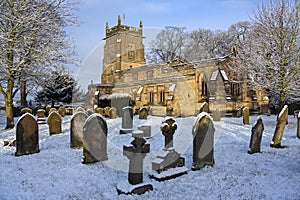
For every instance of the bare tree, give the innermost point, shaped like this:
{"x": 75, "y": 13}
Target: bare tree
{"x": 168, "y": 45}
{"x": 33, "y": 43}
{"x": 272, "y": 52}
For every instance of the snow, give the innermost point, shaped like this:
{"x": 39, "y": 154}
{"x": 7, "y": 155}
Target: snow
{"x": 57, "y": 172}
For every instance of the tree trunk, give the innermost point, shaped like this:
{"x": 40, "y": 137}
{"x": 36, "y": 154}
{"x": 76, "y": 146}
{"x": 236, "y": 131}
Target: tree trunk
{"x": 281, "y": 100}
{"x": 9, "y": 113}
{"x": 23, "y": 93}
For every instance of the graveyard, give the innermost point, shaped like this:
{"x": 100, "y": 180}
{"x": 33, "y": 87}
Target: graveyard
{"x": 57, "y": 169}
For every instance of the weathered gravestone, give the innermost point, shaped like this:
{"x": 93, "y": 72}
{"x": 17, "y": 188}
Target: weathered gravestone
{"x": 256, "y": 136}
{"x": 298, "y": 126}
{"x": 41, "y": 116}
{"x": 203, "y": 142}
{"x": 100, "y": 111}
{"x": 216, "y": 114}
{"x": 143, "y": 113}
{"x": 94, "y": 139}
{"x": 146, "y": 130}
{"x": 282, "y": 120}
{"x": 246, "y": 113}
{"x": 112, "y": 113}
{"x": 89, "y": 112}
{"x": 54, "y": 122}
{"x": 204, "y": 107}
{"x": 168, "y": 159}
{"x": 80, "y": 109}
{"x": 62, "y": 111}
{"x": 27, "y": 135}
{"x": 127, "y": 120}
{"x": 25, "y": 110}
{"x": 48, "y": 110}
{"x": 77, "y": 123}
{"x": 106, "y": 111}
{"x": 52, "y": 110}
{"x": 135, "y": 152}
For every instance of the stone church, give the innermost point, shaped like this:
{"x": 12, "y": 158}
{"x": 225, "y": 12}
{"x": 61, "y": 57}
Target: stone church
{"x": 175, "y": 88}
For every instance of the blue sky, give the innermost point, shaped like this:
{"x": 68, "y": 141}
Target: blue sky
{"x": 155, "y": 14}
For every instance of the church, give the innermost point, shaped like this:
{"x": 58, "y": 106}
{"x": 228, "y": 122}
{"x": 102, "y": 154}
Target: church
{"x": 175, "y": 88}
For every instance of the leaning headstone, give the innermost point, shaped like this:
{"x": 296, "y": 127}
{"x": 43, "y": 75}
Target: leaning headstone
{"x": 27, "y": 135}
{"x": 41, "y": 117}
{"x": 112, "y": 113}
{"x": 204, "y": 107}
{"x": 54, "y": 122}
{"x": 94, "y": 139}
{"x": 143, "y": 113}
{"x": 76, "y": 129}
{"x": 203, "y": 142}
{"x": 246, "y": 114}
{"x": 168, "y": 163}
{"x": 280, "y": 126}
{"x": 62, "y": 111}
{"x": 298, "y": 126}
{"x": 216, "y": 114}
{"x": 127, "y": 120}
{"x": 136, "y": 153}
{"x": 25, "y": 110}
{"x": 256, "y": 136}
{"x": 146, "y": 130}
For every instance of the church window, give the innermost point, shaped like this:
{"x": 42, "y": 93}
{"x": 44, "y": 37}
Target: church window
{"x": 151, "y": 97}
{"x": 131, "y": 55}
{"x": 149, "y": 74}
{"x": 162, "y": 97}
{"x": 135, "y": 76}
{"x": 235, "y": 89}
{"x": 204, "y": 88}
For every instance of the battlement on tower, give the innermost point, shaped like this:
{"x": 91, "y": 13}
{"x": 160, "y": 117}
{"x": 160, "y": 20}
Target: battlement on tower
{"x": 119, "y": 28}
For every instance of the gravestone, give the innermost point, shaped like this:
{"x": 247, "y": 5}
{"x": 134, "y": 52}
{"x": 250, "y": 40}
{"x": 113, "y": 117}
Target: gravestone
{"x": 27, "y": 135}
{"x": 256, "y": 136}
{"x": 203, "y": 142}
{"x": 298, "y": 126}
{"x": 168, "y": 159}
{"x": 216, "y": 114}
{"x": 99, "y": 111}
{"x": 80, "y": 109}
{"x": 106, "y": 111}
{"x": 94, "y": 139}
{"x": 136, "y": 153}
{"x": 127, "y": 120}
{"x": 89, "y": 112}
{"x": 113, "y": 113}
{"x": 41, "y": 117}
{"x": 146, "y": 130}
{"x": 76, "y": 129}
{"x": 282, "y": 120}
{"x": 25, "y": 110}
{"x": 246, "y": 113}
{"x": 52, "y": 110}
{"x": 62, "y": 111}
{"x": 204, "y": 107}
{"x": 48, "y": 110}
{"x": 54, "y": 122}
{"x": 143, "y": 113}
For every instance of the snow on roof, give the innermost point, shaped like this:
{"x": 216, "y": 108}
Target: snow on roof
{"x": 140, "y": 90}
{"x": 214, "y": 75}
{"x": 115, "y": 96}
{"x": 172, "y": 88}
{"x": 225, "y": 78}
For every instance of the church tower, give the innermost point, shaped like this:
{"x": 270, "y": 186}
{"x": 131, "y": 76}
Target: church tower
{"x": 123, "y": 49}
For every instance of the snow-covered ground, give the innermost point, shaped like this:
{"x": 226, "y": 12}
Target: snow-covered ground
{"x": 57, "y": 172}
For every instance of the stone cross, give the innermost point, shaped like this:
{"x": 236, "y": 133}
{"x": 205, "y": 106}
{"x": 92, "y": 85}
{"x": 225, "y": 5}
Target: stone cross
{"x": 136, "y": 152}
{"x": 27, "y": 135}
{"x": 298, "y": 126}
{"x": 76, "y": 128}
{"x": 280, "y": 126}
{"x": 246, "y": 114}
{"x": 168, "y": 129}
{"x": 203, "y": 142}
{"x": 256, "y": 136}
{"x": 94, "y": 139}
